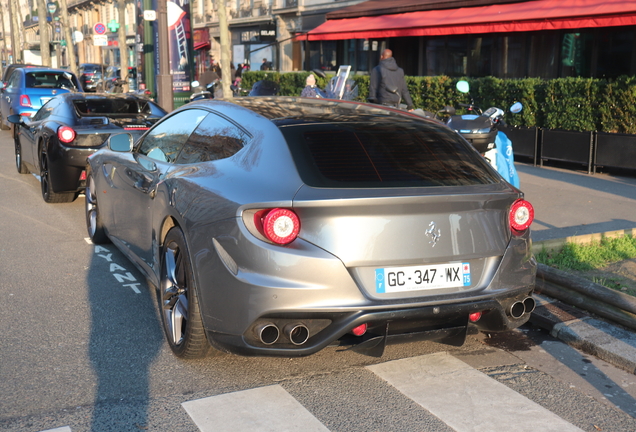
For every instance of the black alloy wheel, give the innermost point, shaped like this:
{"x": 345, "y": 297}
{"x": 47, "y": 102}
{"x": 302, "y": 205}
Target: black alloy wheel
{"x": 178, "y": 300}
{"x": 22, "y": 169}
{"x": 96, "y": 230}
{"x": 48, "y": 194}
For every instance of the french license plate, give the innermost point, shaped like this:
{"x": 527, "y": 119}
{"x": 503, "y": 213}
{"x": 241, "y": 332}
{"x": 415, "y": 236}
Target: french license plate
{"x": 413, "y": 278}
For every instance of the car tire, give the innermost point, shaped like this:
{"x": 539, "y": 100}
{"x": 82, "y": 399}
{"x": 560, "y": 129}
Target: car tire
{"x": 45, "y": 182}
{"x": 19, "y": 164}
{"x": 2, "y": 125}
{"x": 178, "y": 300}
{"x": 96, "y": 230}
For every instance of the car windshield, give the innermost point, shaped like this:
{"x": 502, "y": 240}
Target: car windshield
{"x": 383, "y": 154}
{"x": 100, "y": 107}
{"x": 50, "y": 80}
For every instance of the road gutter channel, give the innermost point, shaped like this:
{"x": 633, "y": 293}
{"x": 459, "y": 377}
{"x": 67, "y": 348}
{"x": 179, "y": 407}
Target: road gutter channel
{"x": 597, "y": 337}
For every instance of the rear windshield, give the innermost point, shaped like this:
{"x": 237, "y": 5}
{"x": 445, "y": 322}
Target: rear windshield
{"x": 384, "y": 154}
{"x": 50, "y": 80}
{"x": 99, "y": 107}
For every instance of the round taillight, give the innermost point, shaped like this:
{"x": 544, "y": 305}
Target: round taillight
{"x": 65, "y": 134}
{"x": 521, "y": 215}
{"x": 281, "y": 226}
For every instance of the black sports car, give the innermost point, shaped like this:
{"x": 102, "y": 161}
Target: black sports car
{"x": 56, "y": 141}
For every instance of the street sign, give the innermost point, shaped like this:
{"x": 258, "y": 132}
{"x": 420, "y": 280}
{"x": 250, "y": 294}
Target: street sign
{"x": 150, "y": 15}
{"x": 100, "y": 40}
{"x": 52, "y": 7}
{"x": 113, "y": 25}
{"x": 99, "y": 28}
{"x": 77, "y": 36}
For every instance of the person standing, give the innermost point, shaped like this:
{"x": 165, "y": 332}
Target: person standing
{"x": 388, "y": 86}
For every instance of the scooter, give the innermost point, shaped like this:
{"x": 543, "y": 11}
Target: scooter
{"x": 481, "y": 129}
{"x": 199, "y": 92}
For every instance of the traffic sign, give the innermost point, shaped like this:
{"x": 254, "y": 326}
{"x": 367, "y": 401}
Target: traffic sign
{"x": 99, "y": 28}
{"x": 100, "y": 40}
{"x": 150, "y": 15}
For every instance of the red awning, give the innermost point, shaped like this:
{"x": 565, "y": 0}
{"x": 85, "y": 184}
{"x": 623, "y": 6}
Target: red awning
{"x": 516, "y": 17}
{"x": 201, "y": 39}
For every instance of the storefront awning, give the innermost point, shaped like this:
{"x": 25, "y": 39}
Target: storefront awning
{"x": 201, "y": 39}
{"x": 500, "y": 18}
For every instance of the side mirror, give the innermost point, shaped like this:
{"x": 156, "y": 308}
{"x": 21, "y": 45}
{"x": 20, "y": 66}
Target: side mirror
{"x": 448, "y": 110}
{"x": 516, "y": 107}
{"x": 121, "y": 142}
{"x": 15, "y": 119}
{"x": 463, "y": 86}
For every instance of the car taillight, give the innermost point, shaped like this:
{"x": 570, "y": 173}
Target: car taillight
{"x": 65, "y": 134}
{"x": 278, "y": 225}
{"x": 521, "y": 215}
{"x": 25, "y": 101}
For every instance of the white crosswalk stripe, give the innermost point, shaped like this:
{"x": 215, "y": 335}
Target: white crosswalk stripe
{"x": 264, "y": 409}
{"x": 462, "y": 397}
{"x": 442, "y": 384}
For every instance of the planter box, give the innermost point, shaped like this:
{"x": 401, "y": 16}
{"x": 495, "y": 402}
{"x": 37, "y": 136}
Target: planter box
{"x": 615, "y": 150}
{"x": 567, "y": 146}
{"x": 524, "y": 141}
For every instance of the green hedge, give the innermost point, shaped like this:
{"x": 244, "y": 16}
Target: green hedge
{"x": 577, "y": 104}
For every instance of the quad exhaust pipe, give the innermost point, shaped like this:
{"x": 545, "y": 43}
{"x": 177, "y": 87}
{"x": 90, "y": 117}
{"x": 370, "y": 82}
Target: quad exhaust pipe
{"x": 520, "y": 308}
{"x": 297, "y": 333}
{"x": 269, "y": 333}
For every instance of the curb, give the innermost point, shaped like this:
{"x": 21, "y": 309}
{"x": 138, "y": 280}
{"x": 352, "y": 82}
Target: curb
{"x": 574, "y": 326}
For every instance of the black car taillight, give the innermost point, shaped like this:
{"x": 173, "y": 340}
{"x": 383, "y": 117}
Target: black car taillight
{"x": 65, "y": 134}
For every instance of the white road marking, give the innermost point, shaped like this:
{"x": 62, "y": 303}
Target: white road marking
{"x": 466, "y": 399}
{"x": 60, "y": 429}
{"x": 88, "y": 240}
{"x": 261, "y": 409}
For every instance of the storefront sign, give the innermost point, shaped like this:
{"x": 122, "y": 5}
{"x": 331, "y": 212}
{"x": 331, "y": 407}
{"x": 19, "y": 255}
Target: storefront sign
{"x": 268, "y": 33}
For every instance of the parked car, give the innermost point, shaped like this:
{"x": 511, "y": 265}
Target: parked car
{"x": 7, "y": 71}
{"x": 29, "y": 88}
{"x": 278, "y": 226}
{"x": 67, "y": 129}
{"x": 90, "y": 74}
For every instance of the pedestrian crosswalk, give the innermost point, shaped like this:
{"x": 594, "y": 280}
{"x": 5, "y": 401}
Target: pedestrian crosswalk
{"x": 456, "y": 394}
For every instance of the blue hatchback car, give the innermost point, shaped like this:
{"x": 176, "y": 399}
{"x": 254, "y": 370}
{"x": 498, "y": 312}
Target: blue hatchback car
{"x": 27, "y": 89}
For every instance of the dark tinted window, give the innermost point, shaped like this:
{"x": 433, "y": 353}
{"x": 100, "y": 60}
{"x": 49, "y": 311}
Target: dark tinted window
{"x": 46, "y": 109}
{"x": 167, "y": 138}
{"x": 214, "y": 138}
{"x": 49, "y": 80}
{"x": 109, "y": 106}
{"x": 384, "y": 154}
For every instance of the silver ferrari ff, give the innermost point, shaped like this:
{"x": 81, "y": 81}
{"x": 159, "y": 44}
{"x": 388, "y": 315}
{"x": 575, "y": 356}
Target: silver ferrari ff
{"x": 278, "y": 226}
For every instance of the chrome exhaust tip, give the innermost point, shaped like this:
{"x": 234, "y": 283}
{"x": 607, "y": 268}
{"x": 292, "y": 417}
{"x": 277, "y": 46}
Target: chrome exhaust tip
{"x": 529, "y": 304}
{"x": 267, "y": 333}
{"x": 517, "y": 310}
{"x": 297, "y": 333}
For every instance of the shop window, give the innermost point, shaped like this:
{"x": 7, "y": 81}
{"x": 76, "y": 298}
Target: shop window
{"x": 322, "y": 55}
{"x": 576, "y": 54}
{"x": 615, "y": 52}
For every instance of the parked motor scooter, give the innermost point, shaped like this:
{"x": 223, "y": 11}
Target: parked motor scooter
{"x": 481, "y": 129}
{"x": 199, "y": 92}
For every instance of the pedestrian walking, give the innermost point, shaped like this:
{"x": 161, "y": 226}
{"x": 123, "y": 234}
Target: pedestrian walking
{"x": 388, "y": 86}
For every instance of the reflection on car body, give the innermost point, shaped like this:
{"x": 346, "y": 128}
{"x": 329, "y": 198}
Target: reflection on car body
{"x": 278, "y": 226}
{"x": 70, "y": 127}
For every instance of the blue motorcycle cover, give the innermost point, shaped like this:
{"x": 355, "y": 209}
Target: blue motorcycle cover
{"x": 505, "y": 159}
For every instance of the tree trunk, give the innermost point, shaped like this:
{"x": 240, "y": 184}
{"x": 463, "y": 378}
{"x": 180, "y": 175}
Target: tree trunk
{"x": 70, "y": 47}
{"x": 123, "y": 48}
{"x": 225, "y": 51}
{"x": 45, "y": 51}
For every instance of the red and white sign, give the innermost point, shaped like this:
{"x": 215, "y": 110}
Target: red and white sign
{"x": 99, "y": 28}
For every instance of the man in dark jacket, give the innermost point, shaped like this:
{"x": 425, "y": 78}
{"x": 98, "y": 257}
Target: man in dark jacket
{"x": 387, "y": 83}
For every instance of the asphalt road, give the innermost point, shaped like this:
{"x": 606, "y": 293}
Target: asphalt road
{"x": 81, "y": 349}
